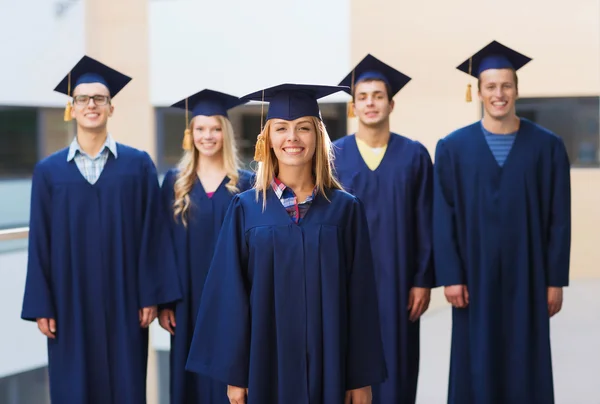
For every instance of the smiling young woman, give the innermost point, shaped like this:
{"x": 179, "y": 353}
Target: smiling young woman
{"x": 289, "y": 310}
{"x": 196, "y": 195}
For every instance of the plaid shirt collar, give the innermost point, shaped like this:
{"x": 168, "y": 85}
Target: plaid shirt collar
{"x": 109, "y": 144}
{"x": 284, "y": 192}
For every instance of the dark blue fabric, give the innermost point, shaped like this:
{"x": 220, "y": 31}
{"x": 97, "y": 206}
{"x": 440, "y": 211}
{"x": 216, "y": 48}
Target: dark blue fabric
{"x": 209, "y": 103}
{"x": 89, "y": 70}
{"x": 493, "y": 56}
{"x": 193, "y": 249}
{"x": 293, "y": 101}
{"x": 290, "y": 310}
{"x": 398, "y": 200}
{"x": 93, "y": 264}
{"x": 505, "y": 233}
{"x": 371, "y": 68}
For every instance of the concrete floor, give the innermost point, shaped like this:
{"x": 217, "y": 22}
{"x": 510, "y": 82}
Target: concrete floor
{"x": 575, "y": 333}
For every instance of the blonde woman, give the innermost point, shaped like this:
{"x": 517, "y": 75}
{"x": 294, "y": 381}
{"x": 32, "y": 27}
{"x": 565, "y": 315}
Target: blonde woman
{"x": 289, "y": 310}
{"x": 196, "y": 195}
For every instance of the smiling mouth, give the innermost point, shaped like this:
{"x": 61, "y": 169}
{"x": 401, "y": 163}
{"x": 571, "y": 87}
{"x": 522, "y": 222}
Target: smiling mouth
{"x": 499, "y": 103}
{"x": 208, "y": 144}
{"x": 92, "y": 115}
{"x": 293, "y": 150}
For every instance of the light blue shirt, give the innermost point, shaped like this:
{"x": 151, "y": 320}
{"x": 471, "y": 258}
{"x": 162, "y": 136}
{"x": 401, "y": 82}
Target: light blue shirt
{"x": 91, "y": 167}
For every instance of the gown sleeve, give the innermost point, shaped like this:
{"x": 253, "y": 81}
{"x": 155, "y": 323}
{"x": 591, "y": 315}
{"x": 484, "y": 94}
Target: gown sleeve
{"x": 559, "y": 237}
{"x": 220, "y": 346}
{"x": 365, "y": 359}
{"x": 38, "y": 301}
{"x": 424, "y": 276}
{"x": 448, "y": 265}
{"x": 158, "y": 282}
{"x": 168, "y": 256}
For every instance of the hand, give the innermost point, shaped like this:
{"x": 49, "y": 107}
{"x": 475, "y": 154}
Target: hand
{"x": 457, "y": 295}
{"x": 47, "y": 326}
{"x": 359, "y": 396}
{"x": 147, "y": 316}
{"x": 418, "y": 302}
{"x": 166, "y": 319}
{"x": 236, "y": 395}
{"x": 555, "y": 300}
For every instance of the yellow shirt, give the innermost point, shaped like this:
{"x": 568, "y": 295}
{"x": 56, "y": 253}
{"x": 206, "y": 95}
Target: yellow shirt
{"x": 371, "y": 155}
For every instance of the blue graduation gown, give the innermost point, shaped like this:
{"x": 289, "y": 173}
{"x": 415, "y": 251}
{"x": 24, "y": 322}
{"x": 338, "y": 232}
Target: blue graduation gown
{"x": 289, "y": 310}
{"x": 92, "y": 265}
{"x": 398, "y": 198}
{"x": 193, "y": 250}
{"x": 505, "y": 233}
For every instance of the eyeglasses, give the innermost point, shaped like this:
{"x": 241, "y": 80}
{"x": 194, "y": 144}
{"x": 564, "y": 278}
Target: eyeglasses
{"x": 99, "y": 100}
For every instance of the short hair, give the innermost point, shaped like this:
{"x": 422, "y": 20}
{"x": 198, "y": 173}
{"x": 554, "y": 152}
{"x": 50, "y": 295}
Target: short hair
{"x": 388, "y": 89}
{"x": 515, "y": 77}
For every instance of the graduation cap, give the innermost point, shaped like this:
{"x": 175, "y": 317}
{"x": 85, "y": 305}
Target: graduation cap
{"x": 89, "y": 70}
{"x": 371, "y": 68}
{"x": 289, "y": 102}
{"x": 208, "y": 103}
{"x": 493, "y": 56}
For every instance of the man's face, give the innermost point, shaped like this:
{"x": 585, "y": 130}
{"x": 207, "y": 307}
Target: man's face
{"x": 498, "y": 92}
{"x": 371, "y": 103}
{"x": 91, "y": 106}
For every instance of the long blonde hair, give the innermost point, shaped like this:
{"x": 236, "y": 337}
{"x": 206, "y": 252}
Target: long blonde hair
{"x": 188, "y": 165}
{"x": 322, "y": 161}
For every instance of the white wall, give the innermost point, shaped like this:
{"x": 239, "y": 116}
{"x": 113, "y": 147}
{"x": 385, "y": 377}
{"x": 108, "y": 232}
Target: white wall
{"x": 240, "y": 46}
{"x": 235, "y": 46}
{"x": 37, "y": 48}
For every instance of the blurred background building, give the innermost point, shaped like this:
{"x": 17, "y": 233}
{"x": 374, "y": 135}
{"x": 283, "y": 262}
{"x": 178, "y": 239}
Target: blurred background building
{"x": 173, "y": 48}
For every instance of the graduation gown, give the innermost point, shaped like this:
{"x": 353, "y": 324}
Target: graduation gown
{"x": 398, "y": 197}
{"x": 92, "y": 265}
{"x": 505, "y": 233}
{"x": 289, "y": 310}
{"x": 193, "y": 248}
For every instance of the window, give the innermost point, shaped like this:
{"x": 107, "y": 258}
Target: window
{"x": 170, "y": 126}
{"x": 55, "y": 133}
{"x": 575, "y": 119}
{"x": 18, "y": 141}
{"x": 335, "y": 119}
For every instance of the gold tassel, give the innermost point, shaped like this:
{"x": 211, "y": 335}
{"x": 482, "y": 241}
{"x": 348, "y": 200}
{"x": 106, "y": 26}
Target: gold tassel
{"x": 469, "y": 98}
{"x": 188, "y": 141}
{"x": 350, "y": 108}
{"x": 259, "y": 149}
{"x": 69, "y": 107}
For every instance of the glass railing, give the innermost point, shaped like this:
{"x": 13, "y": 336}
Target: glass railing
{"x": 14, "y": 202}
{"x": 13, "y": 239}
{"x": 23, "y": 371}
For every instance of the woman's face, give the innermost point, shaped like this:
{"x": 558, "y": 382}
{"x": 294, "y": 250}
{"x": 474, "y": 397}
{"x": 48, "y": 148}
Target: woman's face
{"x": 293, "y": 142}
{"x": 208, "y": 135}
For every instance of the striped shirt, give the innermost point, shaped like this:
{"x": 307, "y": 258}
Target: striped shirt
{"x": 91, "y": 167}
{"x": 286, "y": 195}
{"x": 500, "y": 145}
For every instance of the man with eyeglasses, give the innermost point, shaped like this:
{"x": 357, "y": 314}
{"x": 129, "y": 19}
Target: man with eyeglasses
{"x": 94, "y": 276}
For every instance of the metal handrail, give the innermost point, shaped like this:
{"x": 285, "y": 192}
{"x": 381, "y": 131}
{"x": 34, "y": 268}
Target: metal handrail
{"x": 16, "y": 233}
